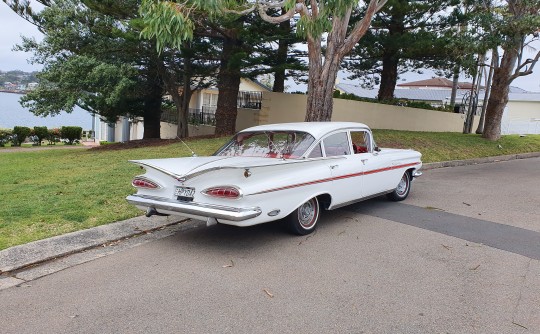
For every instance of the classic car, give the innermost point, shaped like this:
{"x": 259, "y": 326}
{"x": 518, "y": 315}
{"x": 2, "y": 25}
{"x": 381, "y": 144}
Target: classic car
{"x": 284, "y": 171}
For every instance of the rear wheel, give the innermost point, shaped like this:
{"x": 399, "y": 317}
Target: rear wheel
{"x": 304, "y": 219}
{"x": 403, "y": 188}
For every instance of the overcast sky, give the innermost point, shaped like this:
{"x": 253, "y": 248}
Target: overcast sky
{"x": 12, "y": 27}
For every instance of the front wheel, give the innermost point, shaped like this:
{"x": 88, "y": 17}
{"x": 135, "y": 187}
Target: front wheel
{"x": 304, "y": 219}
{"x": 403, "y": 188}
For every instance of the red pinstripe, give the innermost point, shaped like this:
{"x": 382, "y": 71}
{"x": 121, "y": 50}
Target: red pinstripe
{"x": 374, "y": 171}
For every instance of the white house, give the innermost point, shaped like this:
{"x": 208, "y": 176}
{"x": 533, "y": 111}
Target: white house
{"x": 202, "y": 109}
{"x": 521, "y": 116}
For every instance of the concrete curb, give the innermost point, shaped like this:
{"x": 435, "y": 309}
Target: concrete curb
{"x": 36, "y": 252}
{"x": 455, "y": 163}
{"x": 18, "y": 257}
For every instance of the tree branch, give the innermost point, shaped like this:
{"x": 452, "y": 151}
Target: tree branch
{"x": 531, "y": 61}
{"x": 362, "y": 26}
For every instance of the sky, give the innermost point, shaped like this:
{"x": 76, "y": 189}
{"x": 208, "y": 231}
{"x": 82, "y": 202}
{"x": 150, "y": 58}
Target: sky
{"x": 12, "y": 27}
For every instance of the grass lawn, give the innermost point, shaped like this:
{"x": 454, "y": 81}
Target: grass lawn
{"x": 50, "y": 192}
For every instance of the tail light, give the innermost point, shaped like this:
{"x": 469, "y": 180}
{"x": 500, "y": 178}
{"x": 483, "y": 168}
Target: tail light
{"x": 140, "y": 182}
{"x": 223, "y": 192}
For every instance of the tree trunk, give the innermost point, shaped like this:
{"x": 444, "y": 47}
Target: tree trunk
{"x": 228, "y": 86}
{"x": 499, "y": 95}
{"x": 480, "y": 128}
{"x": 183, "y": 105}
{"x": 281, "y": 56}
{"x": 389, "y": 76}
{"x": 320, "y": 101}
{"x": 152, "y": 110}
{"x": 455, "y": 82}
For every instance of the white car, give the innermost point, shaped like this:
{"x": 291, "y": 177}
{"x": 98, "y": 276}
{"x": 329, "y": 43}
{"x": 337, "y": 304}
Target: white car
{"x": 279, "y": 171}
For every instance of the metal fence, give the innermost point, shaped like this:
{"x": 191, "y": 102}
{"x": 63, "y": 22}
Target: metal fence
{"x": 207, "y": 115}
{"x": 198, "y": 116}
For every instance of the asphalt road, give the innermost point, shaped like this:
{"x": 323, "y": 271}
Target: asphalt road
{"x": 460, "y": 255}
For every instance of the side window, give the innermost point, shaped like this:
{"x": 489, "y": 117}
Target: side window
{"x": 336, "y": 144}
{"x": 316, "y": 152}
{"x": 360, "y": 140}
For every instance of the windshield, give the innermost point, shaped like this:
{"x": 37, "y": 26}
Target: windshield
{"x": 268, "y": 144}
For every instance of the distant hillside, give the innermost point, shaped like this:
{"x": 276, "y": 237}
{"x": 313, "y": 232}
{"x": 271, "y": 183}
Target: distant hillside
{"x": 17, "y": 77}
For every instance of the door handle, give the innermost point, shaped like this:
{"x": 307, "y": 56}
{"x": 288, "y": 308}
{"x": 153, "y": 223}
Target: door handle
{"x": 334, "y": 166}
{"x": 364, "y": 161}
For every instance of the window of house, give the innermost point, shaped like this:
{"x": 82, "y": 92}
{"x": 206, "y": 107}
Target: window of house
{"x": 210, "y": 100}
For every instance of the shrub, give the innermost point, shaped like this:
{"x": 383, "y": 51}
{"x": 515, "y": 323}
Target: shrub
{"x": 53, "y": 136}
{"x": 41, "y": 133}
{"x": 71, "y": 133}
{"x": 19, "y": 135}
{"x": 5, "y": 136}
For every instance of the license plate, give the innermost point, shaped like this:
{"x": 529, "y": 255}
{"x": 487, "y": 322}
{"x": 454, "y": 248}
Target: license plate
{"x": 184, "y": 192}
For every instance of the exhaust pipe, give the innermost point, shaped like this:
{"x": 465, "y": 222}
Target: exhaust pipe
{"x": 153, "y": 212}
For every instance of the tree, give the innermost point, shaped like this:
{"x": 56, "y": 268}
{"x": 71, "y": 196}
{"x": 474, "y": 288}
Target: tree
{"x": 93, "y": 58}
{"x": 405, "y": 36}
{"x": 170, "y": 23}
{"x": 517, "y": 24}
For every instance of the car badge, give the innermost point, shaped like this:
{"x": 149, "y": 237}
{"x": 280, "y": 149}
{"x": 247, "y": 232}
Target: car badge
{"x": 247, "y": 173}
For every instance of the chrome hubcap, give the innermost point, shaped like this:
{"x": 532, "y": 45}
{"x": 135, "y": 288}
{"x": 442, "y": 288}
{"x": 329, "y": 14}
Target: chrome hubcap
{"x": 402, "y": 186}
{"x": 307, "y": 214}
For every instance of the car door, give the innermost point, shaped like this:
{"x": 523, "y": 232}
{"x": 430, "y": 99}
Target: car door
{"x": 346, "y": 168}
{"x": 375, "y": 177}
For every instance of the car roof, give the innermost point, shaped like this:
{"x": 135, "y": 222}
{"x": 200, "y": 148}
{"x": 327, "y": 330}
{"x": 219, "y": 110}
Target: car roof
{"x": 316, "y": 129}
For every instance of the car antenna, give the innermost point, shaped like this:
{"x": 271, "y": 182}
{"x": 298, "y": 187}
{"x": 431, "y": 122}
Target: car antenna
{"x": 192, "y": 153}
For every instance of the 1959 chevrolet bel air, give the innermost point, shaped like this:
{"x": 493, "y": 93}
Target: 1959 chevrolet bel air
{"x": 279, "y": 171}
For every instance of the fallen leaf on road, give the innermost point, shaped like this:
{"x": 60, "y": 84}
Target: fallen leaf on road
{"x": 478, "y": 266}
{"x": 433, "y": 208}
{"x": 447, "y": 247}
{"x": 467, "y": 204}
{"x": 228, "y": 265}
{"x": 268, "y": 293}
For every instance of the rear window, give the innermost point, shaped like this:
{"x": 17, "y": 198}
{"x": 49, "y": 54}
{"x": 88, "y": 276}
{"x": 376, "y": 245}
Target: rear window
{"x": 269, "y": 144}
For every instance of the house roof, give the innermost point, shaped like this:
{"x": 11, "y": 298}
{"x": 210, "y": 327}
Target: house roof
{"x": 436, "y": 83}
{"x": 265, "y": 87}
{"x": 435, "y": 95}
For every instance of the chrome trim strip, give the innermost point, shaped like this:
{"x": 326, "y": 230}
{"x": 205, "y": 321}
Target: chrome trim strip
{"x": 164, "y": 171}
{"x": 196, "y": 209}
{"x": 332, "y": 207}
{"x": 417, "y": 173}
{"x": 290, "y": 161}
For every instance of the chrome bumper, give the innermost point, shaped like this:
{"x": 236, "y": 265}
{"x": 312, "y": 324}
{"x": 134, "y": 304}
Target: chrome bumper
{"x": 194, "y": 209}
{"x": 417, "y": 173}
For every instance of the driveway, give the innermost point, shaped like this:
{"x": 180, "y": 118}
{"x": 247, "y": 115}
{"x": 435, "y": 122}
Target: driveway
{"x": 460, "y": 255}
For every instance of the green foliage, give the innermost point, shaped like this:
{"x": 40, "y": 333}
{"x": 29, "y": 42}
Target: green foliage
{"x": 41, "y": 132}
{"x": 53, "y": 136}
{"x": 71, "y": 133}
{"x": 407, "y": 36}
{"x": 19, "y": 135}
{"x": 166, "y": 22}
{"x": 394, "y": 102}
{"x": 5, "y": 136}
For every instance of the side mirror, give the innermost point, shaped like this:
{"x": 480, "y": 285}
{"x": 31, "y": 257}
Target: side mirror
{"x": 377, "y": 149}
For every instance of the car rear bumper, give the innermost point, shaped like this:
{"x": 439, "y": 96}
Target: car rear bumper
{"x": 198, "y": 210}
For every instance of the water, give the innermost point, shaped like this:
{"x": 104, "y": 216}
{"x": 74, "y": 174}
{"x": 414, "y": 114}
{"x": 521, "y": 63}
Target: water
{"x": 13, "y": 114}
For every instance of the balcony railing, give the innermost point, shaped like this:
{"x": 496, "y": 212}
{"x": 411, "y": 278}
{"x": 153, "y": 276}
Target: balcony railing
{"x": 207, "y": 115}
{"x": 249, "y": 100}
